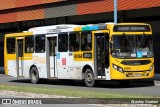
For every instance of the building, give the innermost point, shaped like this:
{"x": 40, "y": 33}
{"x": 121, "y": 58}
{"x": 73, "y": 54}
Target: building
{"x": 19, "y": 15}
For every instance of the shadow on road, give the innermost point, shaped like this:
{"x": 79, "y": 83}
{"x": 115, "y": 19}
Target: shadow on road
{"x": 1, "y": 70}
{"x": 99, "y": 84}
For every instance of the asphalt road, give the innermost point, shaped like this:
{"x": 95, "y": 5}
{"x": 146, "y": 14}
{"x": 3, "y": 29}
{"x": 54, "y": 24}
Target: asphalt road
{"x": 143, "y": 88}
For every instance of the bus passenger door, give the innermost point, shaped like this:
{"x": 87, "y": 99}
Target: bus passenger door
{"x": 52, "y": 56}
{"x": 19, "y": 57}
{"x": 101, "y": 54}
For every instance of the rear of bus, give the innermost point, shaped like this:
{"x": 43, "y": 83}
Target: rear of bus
{"x": 16, "y": 56}
{"x": 131, "y": 51}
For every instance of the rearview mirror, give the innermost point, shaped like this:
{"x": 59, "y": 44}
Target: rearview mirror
{"x": 111, "y": 46}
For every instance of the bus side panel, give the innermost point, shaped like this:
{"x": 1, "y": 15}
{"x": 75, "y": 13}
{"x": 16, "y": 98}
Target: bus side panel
{"x": 76, "y": 64}
{"x": 70, "y": 69}
{"x": 12, "y": 68}
{"x": 39, "y": 60}
{"x": 77, "y": 67}
{"x": 74, "y": 67}
{"x": 62, "y": 65}
{"x": 28, "y": 64}
{"x": 75, "y": 70}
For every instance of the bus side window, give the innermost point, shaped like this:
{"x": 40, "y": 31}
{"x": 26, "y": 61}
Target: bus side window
{"x": 86, "y": 41}
{"x": 29, "y": 44}
{"x": 74, "y": 40}
{"x": 63, "y": 42}
{"x": 40, "y": 43}
{"x": 10, "y": 45}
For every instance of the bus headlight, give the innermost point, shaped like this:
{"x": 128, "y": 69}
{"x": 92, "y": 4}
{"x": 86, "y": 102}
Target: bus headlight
{"x": 117, "y": 68}
{"x": 151, "y": 68}
{"x": 120, "y": 69}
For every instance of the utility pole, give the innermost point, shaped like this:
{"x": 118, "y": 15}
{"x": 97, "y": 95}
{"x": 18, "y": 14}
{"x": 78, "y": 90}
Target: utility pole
{"x": 115, "y": 11}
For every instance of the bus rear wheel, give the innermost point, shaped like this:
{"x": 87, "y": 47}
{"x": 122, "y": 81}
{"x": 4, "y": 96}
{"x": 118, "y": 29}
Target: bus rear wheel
{"x": 34, "y": 75}
{"x": 89, "y": 78}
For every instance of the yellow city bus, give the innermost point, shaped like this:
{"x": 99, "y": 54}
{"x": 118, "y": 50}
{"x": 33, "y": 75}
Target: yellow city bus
{"x": 106, "y": 51}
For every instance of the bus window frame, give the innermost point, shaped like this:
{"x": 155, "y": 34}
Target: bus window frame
{"x": 67, "y": 41}
{"x": 33, "y": 44}
{"x": 35, "y": 51}
{"x": 14, "y": 45}
{"x": 81, "y": 41}
{"x": 79, "y": 47}
{"x": 133, "y": 33}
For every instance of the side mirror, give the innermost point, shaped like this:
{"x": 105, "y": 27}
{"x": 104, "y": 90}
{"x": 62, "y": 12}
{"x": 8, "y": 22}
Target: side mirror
{"x": 111, "y": 47}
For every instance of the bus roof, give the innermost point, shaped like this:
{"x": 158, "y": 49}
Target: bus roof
{"x": 71, "y": 27}
{"x": 19, "y": 34}
{"x": 53, "y": 29}
{"x": 131, "y": 24}
{"x": 61, "y": 26}
{"x": 103, "y": 26}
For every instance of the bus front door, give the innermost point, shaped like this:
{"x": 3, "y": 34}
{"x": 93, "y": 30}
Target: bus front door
{"x": 52, "y": 56}
{"x": 101, "y": 54}
{"x": 19, "y": 58}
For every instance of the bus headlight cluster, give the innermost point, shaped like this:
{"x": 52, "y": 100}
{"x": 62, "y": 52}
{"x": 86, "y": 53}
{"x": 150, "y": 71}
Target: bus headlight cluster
{"x": 117, "y": 68}
{"x": 151, "y": 68}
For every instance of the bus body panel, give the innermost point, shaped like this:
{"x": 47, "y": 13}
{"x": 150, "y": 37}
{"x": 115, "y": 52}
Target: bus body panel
{"x": 70, "y": 69}
{"x": 39, "y": 60}
{"x": 12, "y": 68}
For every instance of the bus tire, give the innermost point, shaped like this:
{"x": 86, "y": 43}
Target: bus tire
{"x": 124, "y": 83}
{"x": 34, "y": 75}
{"x": 89, "y": 78}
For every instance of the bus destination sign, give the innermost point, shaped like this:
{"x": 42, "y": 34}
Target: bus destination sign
{"x": 131, "y": 28}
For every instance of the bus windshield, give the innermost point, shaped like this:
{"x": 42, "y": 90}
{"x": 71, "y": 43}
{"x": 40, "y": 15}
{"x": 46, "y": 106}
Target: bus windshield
{"x": 132, "y": 46}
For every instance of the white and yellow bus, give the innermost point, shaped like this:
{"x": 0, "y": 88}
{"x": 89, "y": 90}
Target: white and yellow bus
{"x": 106, "y": 51}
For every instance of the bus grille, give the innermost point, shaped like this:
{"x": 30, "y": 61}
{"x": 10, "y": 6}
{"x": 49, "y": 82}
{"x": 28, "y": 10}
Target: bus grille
{"x": 135, "y": 62}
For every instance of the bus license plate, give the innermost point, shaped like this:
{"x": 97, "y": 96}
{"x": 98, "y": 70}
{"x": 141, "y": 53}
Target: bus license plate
{"x": 137, "y": 74}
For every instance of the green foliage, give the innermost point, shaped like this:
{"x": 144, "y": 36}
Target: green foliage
{"x": 71, "y": 92}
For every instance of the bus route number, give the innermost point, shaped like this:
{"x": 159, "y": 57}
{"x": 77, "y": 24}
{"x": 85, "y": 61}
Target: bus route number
{"x": 77, "y": 55}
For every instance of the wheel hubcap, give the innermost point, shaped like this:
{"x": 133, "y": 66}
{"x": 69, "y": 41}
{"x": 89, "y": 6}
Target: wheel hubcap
{"x": 89, "y": 78}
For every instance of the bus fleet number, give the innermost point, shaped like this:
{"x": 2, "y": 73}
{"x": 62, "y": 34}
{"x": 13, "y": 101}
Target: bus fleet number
{"x": 77, "y": 55}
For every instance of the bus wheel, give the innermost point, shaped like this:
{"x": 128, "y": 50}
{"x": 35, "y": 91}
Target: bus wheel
{"x": 34, "y": 75}
{"x": 124, "y": 83}
{"x": 89, "y": 78}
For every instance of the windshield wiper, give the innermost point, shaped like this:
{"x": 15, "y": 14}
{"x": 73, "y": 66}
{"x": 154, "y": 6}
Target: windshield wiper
{"x": 128, "y": 40}
{"x": 139, "y": 43}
